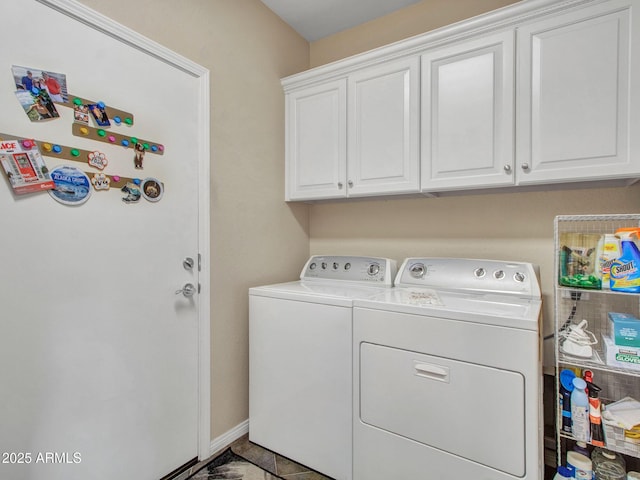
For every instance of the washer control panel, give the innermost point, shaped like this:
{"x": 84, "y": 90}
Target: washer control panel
{"x": 469, "y": 274}
{"x": 370, "y": 270}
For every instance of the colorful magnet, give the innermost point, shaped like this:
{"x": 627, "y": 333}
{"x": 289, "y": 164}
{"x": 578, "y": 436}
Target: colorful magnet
{"x": 75, "y": 152}
{"x": 132, "y": 191}
{"x": 72, "y": 186}
{"x": 117, "y": 119}
{"x": 128, "y": 121}
{"x": 84, "y": 130}
{"x": 111, "y": 138}
{"x": 98, "y": 160}
{"x": 139, "y": 156}
{"x": 152, "y": 189}
{"x": 125, "y": 142}
{"x": 101, "y": 181}
{"x": 116, "y": 178}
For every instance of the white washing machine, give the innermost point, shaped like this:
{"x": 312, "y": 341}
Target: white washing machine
{"x": 300, "y": 360}
{"x": 448, "y": 374}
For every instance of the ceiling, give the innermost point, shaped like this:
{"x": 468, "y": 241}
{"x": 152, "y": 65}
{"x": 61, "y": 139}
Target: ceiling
{"x": 316, "y": 19}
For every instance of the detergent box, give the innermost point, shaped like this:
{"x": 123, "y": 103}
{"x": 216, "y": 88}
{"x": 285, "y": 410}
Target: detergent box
{"x": 620, "y": 356}
{"x": 624, "y": 329}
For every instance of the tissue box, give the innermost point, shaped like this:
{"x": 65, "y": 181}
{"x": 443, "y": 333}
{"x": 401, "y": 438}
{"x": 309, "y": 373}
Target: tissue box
{"x": 621, "y": 356}
{"x": 624, "y": 329}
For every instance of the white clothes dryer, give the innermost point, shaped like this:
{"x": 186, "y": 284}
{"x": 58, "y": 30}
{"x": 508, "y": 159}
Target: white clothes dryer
{"x": 300, "y": 360}
{"x": 448, "y": 374}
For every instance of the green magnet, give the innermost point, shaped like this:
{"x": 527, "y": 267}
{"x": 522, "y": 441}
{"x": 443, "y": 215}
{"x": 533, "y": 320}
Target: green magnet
{"x": 77, "y": 101}
{"x": 75, "y": 152}
{"x": 128, "y": 121}
{"x": 101, "y": 133}
{"x": 134, "y": 140}
{"x": 146, "y": 146}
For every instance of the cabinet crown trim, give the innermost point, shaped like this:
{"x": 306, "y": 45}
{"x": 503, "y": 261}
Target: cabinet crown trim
{"x": 509, "y": 16}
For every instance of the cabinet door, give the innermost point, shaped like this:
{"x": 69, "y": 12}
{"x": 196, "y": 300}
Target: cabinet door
{"x": 574, "y": 96}
{"x": 467, "y": 114}
{"x": 316, "y": 141}
{"x": 383, "y": 129}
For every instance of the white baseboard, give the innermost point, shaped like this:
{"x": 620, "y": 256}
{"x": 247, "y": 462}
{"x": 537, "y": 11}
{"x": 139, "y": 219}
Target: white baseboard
{"x": 229, "y": 437}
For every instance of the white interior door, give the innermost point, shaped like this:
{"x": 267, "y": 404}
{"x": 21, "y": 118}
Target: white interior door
{"x": 100, "y": 356}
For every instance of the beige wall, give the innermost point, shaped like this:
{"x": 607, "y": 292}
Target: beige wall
{"x": 418, "y": 18}
{"x": 510, "y": 226}
{"x": 256, "y": 237}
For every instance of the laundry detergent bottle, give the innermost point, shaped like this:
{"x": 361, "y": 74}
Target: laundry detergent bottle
{"x": 625, "y": 271}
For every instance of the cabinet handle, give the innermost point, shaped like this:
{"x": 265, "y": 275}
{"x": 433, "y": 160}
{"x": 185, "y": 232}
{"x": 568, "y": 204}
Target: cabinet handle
{"x": 525, "y": 166}
{"x": 350, "y": 183}
{"x": 340, "y": 185}
{"x": 507, "y": 168}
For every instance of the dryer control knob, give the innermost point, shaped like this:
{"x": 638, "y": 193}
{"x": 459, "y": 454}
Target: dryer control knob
{"x": 519, "y": 277}
{"x": 418, "y": 270}
{"x": 373, "y": 269}
{"x": 479, "y": 272}
{"x": 498, "y": 274}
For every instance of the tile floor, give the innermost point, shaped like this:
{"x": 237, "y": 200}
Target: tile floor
{"x": 273, "y": 462}
{"x": 266, "y": 459}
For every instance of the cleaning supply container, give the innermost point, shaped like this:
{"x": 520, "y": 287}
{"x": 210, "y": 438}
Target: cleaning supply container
{"x": 580, "y": 411}
{"x": 608, "y": 250}
{"x": 580, "y": 464}
{"x": 608, "y": 465}
{"x": 625, "y": 270}
{"x": 566, "y": 387}
{"x": 563, "y": 473}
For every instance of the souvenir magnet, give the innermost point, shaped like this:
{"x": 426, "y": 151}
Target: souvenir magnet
{"x": 139, "y": 156}
{"x": 152, "y": 189}
{"x": 101, "y": 181}
{"x": 99, "y": 114}
{"x": 73, "y": 186}
{"x": 132, "y": 191}
{"x": 81, "y": 113}
{"x": 98, "y": 160}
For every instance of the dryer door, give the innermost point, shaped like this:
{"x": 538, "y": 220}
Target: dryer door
{"x": 426, "y": 399}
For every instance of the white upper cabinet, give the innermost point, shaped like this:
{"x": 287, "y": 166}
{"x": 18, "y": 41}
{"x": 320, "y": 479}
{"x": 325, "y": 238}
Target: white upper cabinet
{"x": 316, "y": 147}
{"x": 575, "y": 81}
{"x": 467, "y": 114}
{"x": 383, "y": 129}
{"x": 540, "y": 92}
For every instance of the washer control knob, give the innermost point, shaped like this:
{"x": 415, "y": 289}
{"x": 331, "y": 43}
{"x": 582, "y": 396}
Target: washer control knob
{"x": 479, "y": 272}
{"x": 336, "y": 265}
{"x": 418, "y": 270}
{"x": 519, "y": 277}
{"x": 373, "y": 269}
{"x": 347, "y": 266}
{"x": 324, "y": 265}
{"x": 498, "y": 274}
{"x": 312, "y": 266}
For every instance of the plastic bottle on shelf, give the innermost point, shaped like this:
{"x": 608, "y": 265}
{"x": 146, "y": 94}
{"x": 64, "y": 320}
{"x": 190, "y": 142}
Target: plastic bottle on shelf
{"x": 579, "y": 411}
{"x": 608, "y": 465}
{"x": 595, "y": 416}
{"x": 562, "y": 473}
{"x": 581, "y": 465}
{"x": 625, "y": 270}
{"x": 581, "y": 447}
{"x": 566, "y": 387}
{"x": 608, "y": 250}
